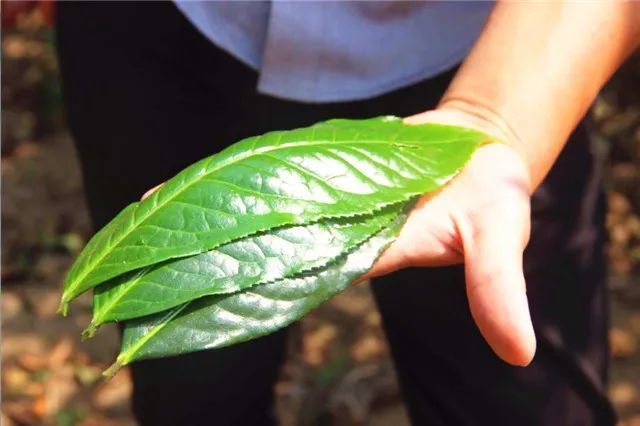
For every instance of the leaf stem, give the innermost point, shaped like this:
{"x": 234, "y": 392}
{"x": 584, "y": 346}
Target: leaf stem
{"x": 63, "y": 308}
{"x": 90, "y": 331}
{"x": 113, "y": 369}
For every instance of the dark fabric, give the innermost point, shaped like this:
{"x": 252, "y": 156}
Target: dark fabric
{"x": 147, "y": 95}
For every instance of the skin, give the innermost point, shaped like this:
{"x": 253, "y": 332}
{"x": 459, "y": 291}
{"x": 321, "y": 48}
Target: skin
{"x": 529, "y": 79}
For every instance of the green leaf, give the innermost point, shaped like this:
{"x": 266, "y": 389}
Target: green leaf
{"x": 218, "y": 321}
{"x": 283, "y": 252}
{"x": 338, "y": 168}
{"x": 100, "y": 239}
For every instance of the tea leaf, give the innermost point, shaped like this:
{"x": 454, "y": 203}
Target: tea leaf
{"x": 217, "y": 321}
{"x": 338, "y": 168}
{"x": 283, "y": 252}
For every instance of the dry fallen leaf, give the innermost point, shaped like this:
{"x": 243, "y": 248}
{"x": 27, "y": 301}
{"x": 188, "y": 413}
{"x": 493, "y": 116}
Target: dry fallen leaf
{"x": 622, "y": 343}
{"x": 15, "y": 380}
{"x": 631, "y": 421}
{"x": 33, "y": 362}
{"x": 618, "y": 204}
{"x": 373, "y": 319}
{"x": 42, "y": 301}
{"x": 15, "y": 344}
{"x": 60, "y": 387}
{"x": 12, "y": 305}
{"x": 60, "y": 353}
{"x": 20, "y": 413}
{"x": 367, "y": 348}
{"x": 5, "y": 421}
{"x": 623, "y": 393}
{"x": 316, "y": 343}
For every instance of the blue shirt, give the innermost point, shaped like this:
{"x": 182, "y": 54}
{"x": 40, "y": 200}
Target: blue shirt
{"x": 340, "y": 51}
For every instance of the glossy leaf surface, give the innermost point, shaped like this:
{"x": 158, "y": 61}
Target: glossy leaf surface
{"x": 338, "y": 168}
{"x": 282, "y": 252}
{"x": 217, "y": 321}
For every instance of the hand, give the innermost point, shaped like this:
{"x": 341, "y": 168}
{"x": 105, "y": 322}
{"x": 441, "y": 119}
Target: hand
{"x": 480, "y": 218}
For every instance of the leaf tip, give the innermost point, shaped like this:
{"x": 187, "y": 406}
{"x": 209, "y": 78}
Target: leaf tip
{"x": 63, "y": 309}
{"x": 90, "y": 331}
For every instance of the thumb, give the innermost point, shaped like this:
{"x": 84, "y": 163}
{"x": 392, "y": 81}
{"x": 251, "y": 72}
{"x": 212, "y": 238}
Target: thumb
{"x": 496, "y": 288}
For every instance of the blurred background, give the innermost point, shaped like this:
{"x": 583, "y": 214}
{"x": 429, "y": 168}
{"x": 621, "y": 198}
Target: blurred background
{"x": 338, "y": 371}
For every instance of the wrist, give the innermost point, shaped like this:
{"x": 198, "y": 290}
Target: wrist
{"x": 463, "y": 113}
{"x": 483, "y": 118}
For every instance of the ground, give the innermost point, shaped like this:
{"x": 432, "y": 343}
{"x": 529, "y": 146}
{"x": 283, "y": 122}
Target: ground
{"x": 338, "y": 370}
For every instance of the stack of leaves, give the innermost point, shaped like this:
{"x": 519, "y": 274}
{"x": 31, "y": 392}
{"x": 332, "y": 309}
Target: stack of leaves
{"x": 244, "y": 242}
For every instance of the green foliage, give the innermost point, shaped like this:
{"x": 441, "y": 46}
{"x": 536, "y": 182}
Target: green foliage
{"x": 249, "y": 240}
{"x": 218, "y": 321}
{"x": 337, "y": 168}
{"x": 232, "y": 267}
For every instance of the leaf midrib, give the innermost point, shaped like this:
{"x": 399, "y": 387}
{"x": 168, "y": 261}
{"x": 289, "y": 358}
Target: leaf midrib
{"x": 152, "y": 332}
{"x": 97, "y": 317}
{"x": 128, "y": 287}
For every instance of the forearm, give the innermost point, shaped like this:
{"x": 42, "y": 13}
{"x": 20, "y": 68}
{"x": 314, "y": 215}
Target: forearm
{"x": 537, "y": 67}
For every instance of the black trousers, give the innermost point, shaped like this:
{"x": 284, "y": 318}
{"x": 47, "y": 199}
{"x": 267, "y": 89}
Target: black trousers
{"x": 147, "y": 95}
